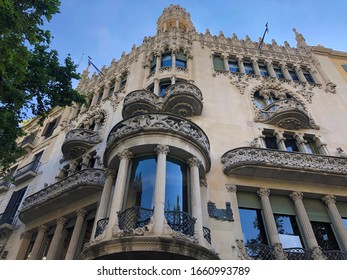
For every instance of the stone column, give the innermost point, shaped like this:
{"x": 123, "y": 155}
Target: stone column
{"x": 38, "y": 242}
{"x": 118, "y": 194}
{"x": 240, "y": 63}
{"x": 159, "y": 189}
{"x": 301, "y": 143}
{"x": 270, "y": 68}
{"x": 299, "y": 73}
{"x": 104, "y": 200}
{"x": 285, "y": 72}
{"x": 194, "y": 164}
{"x": 270, "y": 223}
{"x": 255, "y": 66}
{"x": 225, "y": 61}
{"x": 106, "y": 90}
{"x": 158, "y": 65}
{"x": 280, "y": 141}
{"x": 26, "y": 238}
{"x": 71, "y": 251}
{"x": 53, "y": 248}
{"x": 305, "y": 225}
{"x": 173, "y": 57}
{"x": 85, "y": 161}
{"x": 156, "y": 86}
{"x": 330, "y": 202}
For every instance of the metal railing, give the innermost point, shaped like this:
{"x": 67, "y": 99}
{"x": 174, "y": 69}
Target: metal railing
{"x": 135, "y": 217}
{"x": 260, "y": 252}
{"x": 101, "y": 226}
{"x": 180, "y": 221}
{"x": 335, "y": 255}
{"x": 297, "y": 254}
{"x": 32, "y": 166}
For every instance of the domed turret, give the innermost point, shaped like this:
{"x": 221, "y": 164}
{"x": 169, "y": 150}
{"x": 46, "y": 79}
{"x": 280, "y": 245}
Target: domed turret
{"x": 173, "y": 17}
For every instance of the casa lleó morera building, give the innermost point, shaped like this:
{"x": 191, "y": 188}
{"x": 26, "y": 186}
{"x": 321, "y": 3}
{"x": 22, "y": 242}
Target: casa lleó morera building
{"x": 193, "y": 146}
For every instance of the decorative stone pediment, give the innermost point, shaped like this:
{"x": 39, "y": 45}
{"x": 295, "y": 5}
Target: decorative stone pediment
{"x": 181, "y": 99}
{"x": 285, "y": 165}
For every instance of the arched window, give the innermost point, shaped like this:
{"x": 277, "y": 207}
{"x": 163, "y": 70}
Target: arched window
{"x": 181, "y": 60}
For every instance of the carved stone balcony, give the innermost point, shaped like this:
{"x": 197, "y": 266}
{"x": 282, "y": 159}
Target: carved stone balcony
{"x": 78, "y": 141}
{"x": 65, "y": 192}
{"x": 286, "y": 113}
{"x": 182, "y": 99}
{"x": 159, "y": 125}
{"x": 275, "y": 164}
{"x": 26, "y": 172}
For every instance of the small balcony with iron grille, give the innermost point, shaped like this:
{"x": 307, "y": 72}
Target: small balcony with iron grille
{"x": 78, "y": 141}
{"x": 7, "y": 225}
{"x": 26, "y": 172}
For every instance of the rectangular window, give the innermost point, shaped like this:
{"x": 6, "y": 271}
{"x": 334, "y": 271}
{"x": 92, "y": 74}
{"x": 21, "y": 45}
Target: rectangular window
{"x": 50, "y": 127}
{"x": 292, "y": 73}
{"x": 344, "y": 66}
{"x": 278, "y": 72}
{"x": 252, "y": 226}
{"x": 308, "y": 77}
{"x": 166, "y": 60}
{"x": 233, "y": 66}
{"x": 325, "y": 236}
{"x": 10, "y": 214}
{"x": 123, "y": 81}
{"x": 311, "y": 145}
{"x": 181, "y": 60}
{"x": 248, "y": 67}
{"x": 263, "y": 70}
{"x": 100, "y": 94}
{"x": 218, "y": 63}
{"x": 162, "y": 88}
{"x": 290, "y": 143}
{"x": 153, "y": 65}
{"x": 270, "y": 140}
{"x": 288, "y": 231}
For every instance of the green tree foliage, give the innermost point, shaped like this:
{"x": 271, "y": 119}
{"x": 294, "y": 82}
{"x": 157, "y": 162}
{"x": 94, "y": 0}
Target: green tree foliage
{"x": 32, "y": 80}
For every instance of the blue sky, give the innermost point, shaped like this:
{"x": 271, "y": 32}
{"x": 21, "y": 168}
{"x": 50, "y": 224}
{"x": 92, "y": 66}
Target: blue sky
{"x": 103, "y": 29}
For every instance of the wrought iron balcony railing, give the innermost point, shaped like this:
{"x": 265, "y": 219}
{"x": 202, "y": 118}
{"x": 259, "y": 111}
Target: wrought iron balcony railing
{"x": 101, "y": 226}
{"x": 135, "y": 217}
{"x": 297, "y": 254}
{"x": 180, "y": 221}
{"x": 26, "y": 172}
{"x": 335, "y": 255}
{"x": 260, "y": 252}
{"x": 278, "y": 164}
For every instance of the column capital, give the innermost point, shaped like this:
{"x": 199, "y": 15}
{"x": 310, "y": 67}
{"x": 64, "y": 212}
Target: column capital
{"x": 26, "y": 235}
{"x": 263, "y": 192}
{"x": 329, "y": 199}
{"x": 125, "y": 154}
{"x": 81, "y": 212}
{"x": 110, "y": 172}
{"x": 61, "y": 221}
{"x": 162, "y": 149}
{"x": 43, "y": 228}
{"x": 193, "y": 161}
{"x": 231, "y": 188}
{"x": 296, "y": 196}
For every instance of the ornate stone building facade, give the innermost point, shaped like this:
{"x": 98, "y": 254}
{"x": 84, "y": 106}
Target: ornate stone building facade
{"x": 193, "y": 146}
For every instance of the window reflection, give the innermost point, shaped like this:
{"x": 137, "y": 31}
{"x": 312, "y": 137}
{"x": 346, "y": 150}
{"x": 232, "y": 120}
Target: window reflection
{"x": 325, "y": 236}
{"x": 141, "y": 183}
{"x": 252, "y": 226}
{"x": 288, "y": 231}
{"x": 176, "y": 192}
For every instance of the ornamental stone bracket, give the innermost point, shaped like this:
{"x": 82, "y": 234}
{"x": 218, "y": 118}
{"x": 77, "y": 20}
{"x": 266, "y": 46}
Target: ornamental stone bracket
{"x": 78, "y": 141}
{"x": 283, "y": 165}
{"x": 182, "y": 99}
{"x": 65, "y": 192}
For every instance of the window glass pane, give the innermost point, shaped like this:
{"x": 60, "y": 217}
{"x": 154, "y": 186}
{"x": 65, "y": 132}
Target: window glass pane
{"x": 278, "y": 72}
{"x": 218, "y": 63}
{"x": 325, "y": 236}
{"x": 181, "y": 63}
{"x": 162, "y": 88}
{"x": 308, "y": 77}
{"x": 270, "y": 141}
{"x": 288, "y": 231}
{"x": 263, "y": 70}
{"x": 248, "y": 68}
{"x": 176, "y": 192}
{"x": 345, "y": 222}
{"x": 293, "y": 75}
{"x": 233, "y": 66}
{"x": 252, "y": 226}
{"x": 311, "y": 146}
{"x": 166, "y": 60}
{"x": 291, "y": 144}
{"x": 141, "y": 183}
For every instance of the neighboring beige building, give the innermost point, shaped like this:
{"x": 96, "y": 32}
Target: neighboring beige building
{"x": 194, "y": 146}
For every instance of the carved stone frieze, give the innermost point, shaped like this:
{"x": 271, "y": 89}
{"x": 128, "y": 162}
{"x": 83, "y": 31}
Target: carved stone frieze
{"x": 161, "y": 124}
{"x": 280, "y": 164}
{"x": 86, "y": 177}
{"x": 182, "y": 99}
